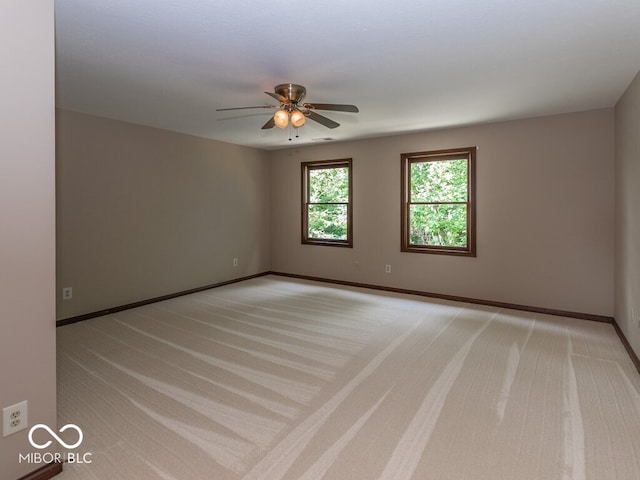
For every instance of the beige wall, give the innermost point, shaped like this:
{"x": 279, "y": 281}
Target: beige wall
{"x": 144, "y": 212}
{"x": 27, "y": 248}
{"x": 545, "y": 193}
{"x": 627, "y": 261}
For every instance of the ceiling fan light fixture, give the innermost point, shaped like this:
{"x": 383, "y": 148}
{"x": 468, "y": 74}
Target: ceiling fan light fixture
{"x": 297, "y": 118}
{"x": 293, "y": 113}
{"x": 281, "y": 118}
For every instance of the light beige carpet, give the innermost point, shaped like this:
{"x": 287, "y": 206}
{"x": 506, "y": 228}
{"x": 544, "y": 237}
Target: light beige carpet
{"x": 275, "y": 378}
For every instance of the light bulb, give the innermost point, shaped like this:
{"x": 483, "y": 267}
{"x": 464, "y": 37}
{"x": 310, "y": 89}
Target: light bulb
{"x": 281, "y": 118}
{"x": 297, "y": 118}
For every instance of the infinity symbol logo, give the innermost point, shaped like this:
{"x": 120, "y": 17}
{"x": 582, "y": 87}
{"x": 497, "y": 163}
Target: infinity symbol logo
{"x": 54, "y": 435}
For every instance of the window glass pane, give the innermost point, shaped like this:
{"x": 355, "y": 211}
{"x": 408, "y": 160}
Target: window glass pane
{"x": 440, "y": 225}
{"x": 328, "y": 222}
{"x": 439, "y": 181}
{"x": 329, "y": 185}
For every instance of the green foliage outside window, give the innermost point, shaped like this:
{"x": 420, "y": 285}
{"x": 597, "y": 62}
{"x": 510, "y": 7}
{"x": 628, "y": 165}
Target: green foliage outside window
{"x": 327, "y": 205}
{"x": 438, "y": 203}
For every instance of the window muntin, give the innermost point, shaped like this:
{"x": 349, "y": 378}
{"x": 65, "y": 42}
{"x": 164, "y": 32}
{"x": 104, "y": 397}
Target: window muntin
{"x": 326, "y": 203}
{"x": 438, "y": 202}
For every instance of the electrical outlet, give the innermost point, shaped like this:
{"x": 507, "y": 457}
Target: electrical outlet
{"x": 67, "y": 293}
{"x": 14, "y": 418}
{"x": 387, "y": 269}
{"x": 235, "y": 262}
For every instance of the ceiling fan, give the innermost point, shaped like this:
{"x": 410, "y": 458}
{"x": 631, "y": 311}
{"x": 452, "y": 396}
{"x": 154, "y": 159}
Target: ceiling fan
{"x": 292, "y": 111}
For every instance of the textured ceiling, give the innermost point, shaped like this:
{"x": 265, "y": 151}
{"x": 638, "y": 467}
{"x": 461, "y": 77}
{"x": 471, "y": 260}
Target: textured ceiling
{"x": 409, "y": 65}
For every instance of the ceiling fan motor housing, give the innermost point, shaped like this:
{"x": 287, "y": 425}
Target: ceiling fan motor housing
{"x": 292, "y": 92}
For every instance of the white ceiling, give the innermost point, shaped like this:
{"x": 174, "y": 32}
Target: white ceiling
{"x": 409, "y": 65}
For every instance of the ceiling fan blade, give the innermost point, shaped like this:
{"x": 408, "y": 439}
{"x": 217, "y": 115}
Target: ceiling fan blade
{"x": 332, "y": 106}
{"x": 270, "y": 124}
{"x": 327, "y": 122}
{"x": 243, "y": 108}
{"x": 279, "y": 98}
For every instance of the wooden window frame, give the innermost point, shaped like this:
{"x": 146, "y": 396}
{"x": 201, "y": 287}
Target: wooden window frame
{"x": 439, "y": 155}
{"x": 306, "y": 168}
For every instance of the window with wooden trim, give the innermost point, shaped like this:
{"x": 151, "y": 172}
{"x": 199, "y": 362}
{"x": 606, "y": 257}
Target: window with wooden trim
{"x": 326, "y": 203}
{"x": 438, "y": 202}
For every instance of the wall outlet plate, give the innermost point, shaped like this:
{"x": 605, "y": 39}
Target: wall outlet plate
{"x": 14, "y": 418}
{"x": 67, "y": 293}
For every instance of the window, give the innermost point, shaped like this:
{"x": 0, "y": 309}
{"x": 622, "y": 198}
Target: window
{"x": 438, "y": 202}
{"x": 326, "y": 203}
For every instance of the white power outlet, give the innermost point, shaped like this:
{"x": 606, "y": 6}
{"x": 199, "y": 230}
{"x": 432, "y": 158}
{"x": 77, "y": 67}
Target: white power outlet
{"x": 14, "y": 418}
{"x": 387, "y": 269}
{"x": 67, "y": 293}
{"x": 235, "y": 262}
